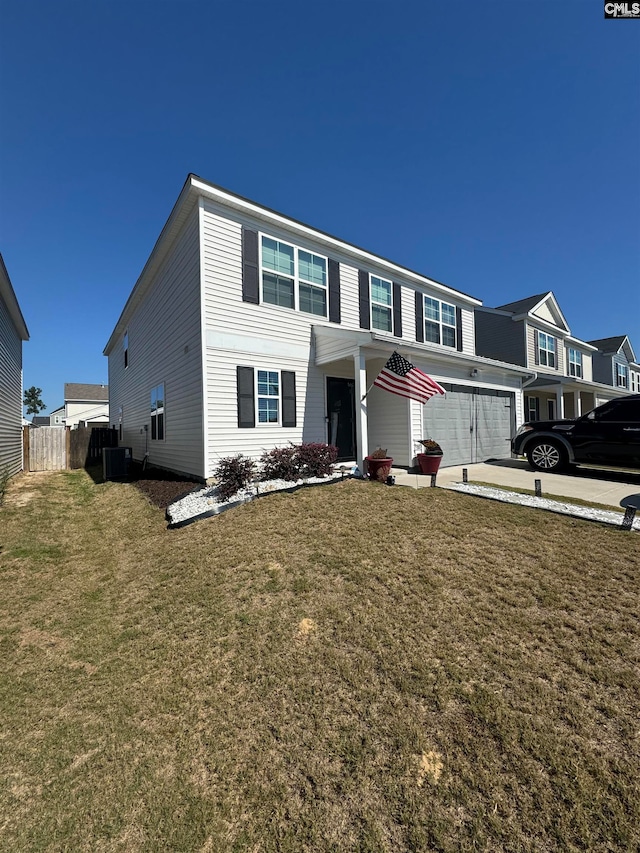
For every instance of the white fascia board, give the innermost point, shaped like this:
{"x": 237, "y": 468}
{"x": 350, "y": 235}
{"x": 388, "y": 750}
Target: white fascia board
{"x": 419, "y": 349}
{"x": 627, "y": 343}
{"x": 548, "y": 327}
{"x": 255, "y": 210}
{"x": 10, "y": 300}
{"x": 551, "y": 296}
{"x": 581, "y": 344}
{"x": 178, "y": 215}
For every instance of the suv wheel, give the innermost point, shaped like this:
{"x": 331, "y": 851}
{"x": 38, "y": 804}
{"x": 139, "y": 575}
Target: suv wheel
{"x": 545, "y": 455}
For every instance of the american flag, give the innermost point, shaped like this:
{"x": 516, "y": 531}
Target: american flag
{"x": 400, "y": 377}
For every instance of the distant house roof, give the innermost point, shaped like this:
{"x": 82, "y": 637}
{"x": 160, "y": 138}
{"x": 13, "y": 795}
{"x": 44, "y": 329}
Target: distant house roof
{"x": 9, "y": 298}
{"x": 92, "y": 393}
{"x": 523, "y": 305}
{"x": 40, "y": 420}
{"x": 609, "y": 344}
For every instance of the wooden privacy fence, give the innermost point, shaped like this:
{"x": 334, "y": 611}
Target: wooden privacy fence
{"x": 85, "y": 445}
{"x": 57, "y": 448}
{"x": 45, "y": 448}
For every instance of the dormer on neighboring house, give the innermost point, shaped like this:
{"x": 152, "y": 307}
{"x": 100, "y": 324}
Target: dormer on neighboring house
{"x": 534, "y": 333}
{"x": 615, "y": 364}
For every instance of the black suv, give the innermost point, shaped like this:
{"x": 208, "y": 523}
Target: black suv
{"x": 609, "y": 435}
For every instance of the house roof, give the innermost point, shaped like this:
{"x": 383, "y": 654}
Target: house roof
{"x": 195, "y": 187}
{"x": 40, "y": 420}
{"x": 92, "y": 393}
{"x": 609, "y": 344}
{"x": 9, "y": 297}
{"x": 522, "y": 306}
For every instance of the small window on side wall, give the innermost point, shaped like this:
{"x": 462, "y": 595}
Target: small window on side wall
{"x": 157, "y": 413}
{"x": 125, "y": 346}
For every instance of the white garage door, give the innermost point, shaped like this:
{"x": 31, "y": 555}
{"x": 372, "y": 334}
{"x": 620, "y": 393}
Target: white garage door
{"x": 471, "y": 424}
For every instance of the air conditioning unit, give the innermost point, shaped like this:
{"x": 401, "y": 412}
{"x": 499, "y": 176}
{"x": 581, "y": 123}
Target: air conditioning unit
{"x": 116, "y": 462}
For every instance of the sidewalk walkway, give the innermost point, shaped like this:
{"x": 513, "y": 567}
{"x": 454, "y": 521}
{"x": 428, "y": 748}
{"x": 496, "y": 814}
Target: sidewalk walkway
{"x": 615, "y": 489}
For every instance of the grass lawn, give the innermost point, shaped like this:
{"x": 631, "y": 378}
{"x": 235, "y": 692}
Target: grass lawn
{"x": 348, "y": 668}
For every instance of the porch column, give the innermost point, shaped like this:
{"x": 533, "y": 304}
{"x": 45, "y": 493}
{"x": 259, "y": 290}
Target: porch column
{"x": 362, "y": 432}
{"x": 577, "y": 404}
{"x": 559, "y": 403}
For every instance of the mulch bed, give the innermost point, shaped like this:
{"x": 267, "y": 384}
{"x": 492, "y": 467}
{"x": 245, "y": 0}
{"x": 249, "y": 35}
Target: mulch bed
{"x": 161, "y": 487}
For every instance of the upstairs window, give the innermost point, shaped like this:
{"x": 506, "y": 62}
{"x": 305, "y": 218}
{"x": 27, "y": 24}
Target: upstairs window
{"x": 125, "y": 346}
{"x": 157, "y": 413}
{"x": 293, "y": 278}
{"x": 575, "y": 363}
{"x": 268, "y": 396}
{"x": 622, "y": 375}
{"x": 381, "y": 304}
{"x": 547, "y": 349}
{"x": 439, "y": 322}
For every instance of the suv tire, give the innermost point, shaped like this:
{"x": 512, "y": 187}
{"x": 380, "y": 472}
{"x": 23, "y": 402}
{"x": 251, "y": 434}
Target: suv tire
{"x": 547, "y": 455}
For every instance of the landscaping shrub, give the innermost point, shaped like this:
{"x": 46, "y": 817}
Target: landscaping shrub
{"x": 316, "y": 459}
{"x": 234, "y": 473}
{"x": 281, "y": 463}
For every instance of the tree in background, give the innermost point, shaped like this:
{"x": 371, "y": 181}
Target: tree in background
{"x": 32, "y": 400}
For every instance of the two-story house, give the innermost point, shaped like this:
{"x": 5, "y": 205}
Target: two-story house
{"x": 615, "y": 364}
{"x": 533, "y": 332}
{"x": 248, "y": 329}
{"x": 13, "y": 331}
{"x": 84, "y": 404}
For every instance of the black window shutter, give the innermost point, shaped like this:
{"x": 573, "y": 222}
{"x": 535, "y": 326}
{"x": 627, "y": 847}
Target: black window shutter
{"x": 363, "y": 297}
{"x": 246, "y": 401}
{"x": 288, "y": 379}
{"x": 536, "y": 346}
{"x": 397, "y": 310}
{"x": 419, "y": 317}
{"x": 250, "y": 279}
{"x": 459, "y": 329}
{"x": 334, "y": 291}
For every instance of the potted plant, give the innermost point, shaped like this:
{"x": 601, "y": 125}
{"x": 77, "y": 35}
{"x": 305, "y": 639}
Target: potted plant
{"x": 378, "y": 465}
{"x": 430, "y": 458}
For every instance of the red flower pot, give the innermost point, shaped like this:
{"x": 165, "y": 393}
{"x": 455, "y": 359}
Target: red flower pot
{"x": 429, "y": 463}
{"x": 378, "y": 469}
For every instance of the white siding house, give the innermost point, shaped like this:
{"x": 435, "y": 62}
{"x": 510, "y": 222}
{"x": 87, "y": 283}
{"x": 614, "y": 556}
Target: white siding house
{"x": 13, "y": 332}
{"x": 248, "y": 330}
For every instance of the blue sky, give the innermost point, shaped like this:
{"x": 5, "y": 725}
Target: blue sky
{"x": 491, "y": 145}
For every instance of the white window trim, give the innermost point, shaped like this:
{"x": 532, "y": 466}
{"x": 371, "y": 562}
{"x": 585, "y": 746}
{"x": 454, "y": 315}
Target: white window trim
{"x": 622, "y": 372}
{"x": 576, "y": 362}
{"x": 296, "y": 276}
{"x": 257, "y": 397}
{"x": 164, "y": 414}
{"x": 440, "y": 323}
{"x": 373, "y": 301}
{"x": 546, "y": 351}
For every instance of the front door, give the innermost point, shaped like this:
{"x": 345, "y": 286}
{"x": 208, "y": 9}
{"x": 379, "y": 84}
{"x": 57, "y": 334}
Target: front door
{"x": 341, "y": 416}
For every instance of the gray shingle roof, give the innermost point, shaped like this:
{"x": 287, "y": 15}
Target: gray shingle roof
{"x": 608, "y": 344}
{"x": 523, "y": 305}
{"x": 78, "y": 391}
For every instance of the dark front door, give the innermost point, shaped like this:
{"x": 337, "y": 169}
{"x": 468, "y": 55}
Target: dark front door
{"x": 341, "y": 416}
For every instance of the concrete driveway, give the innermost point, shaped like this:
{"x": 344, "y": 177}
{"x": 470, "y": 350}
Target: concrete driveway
{"x": 612, "y": 488}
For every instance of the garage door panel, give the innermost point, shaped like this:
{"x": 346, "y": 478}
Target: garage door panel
{"x": 471, "y": 425}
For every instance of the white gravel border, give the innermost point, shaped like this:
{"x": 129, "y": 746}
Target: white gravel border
{"x": 590, "y": 514}
{"x": 204, "y": 503}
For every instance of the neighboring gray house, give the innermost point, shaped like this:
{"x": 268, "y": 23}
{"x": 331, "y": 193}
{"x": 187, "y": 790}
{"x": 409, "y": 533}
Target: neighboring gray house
{"x": 13, "y": 331}
{"x": 85, "y": 402}
{"x": 615, "y": 364}
{"x": 247, "y": 330}
{"x": 534, "y": 333}
{"x": 57, "y": 417}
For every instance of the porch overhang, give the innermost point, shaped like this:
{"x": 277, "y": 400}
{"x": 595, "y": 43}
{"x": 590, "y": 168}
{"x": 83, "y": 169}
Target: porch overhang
{"x": 572, "y": 383}
{"x": 333, "y": 344}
